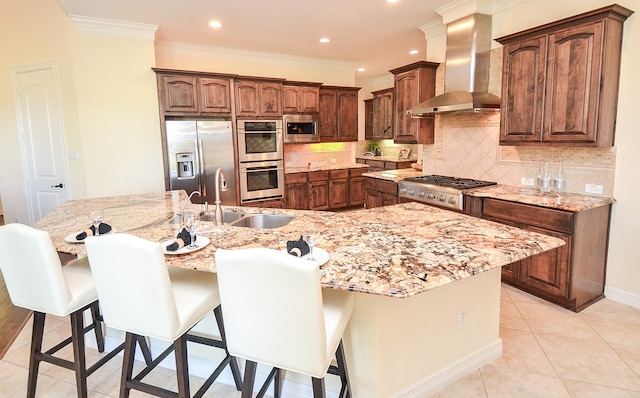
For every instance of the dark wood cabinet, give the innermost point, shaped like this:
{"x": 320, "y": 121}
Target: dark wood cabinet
{"x": 572, "y": 275}
{"x": 380, "y": 192}
{"x": 338, "y": 118}
{"x": 413, "y": 84}
{"x": 193, "y": 94}
{"x": 338, "y": 189}
{"x": 379, "y": 115}
{"x": 258, "y": 98}
{"x": 296, "y": 191}
{"x": 319, "y": 190}
{"x": 379, "y": 164}
{"x": 356, "y": 187}
{"x": 300, "y": 98}
{"x": 560, "y": 81}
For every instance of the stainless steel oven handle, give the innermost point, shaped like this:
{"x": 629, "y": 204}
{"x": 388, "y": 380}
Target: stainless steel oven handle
{"x": 249, "y": 169}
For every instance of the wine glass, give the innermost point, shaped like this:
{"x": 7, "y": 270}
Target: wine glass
{"x": 96, "y": 220}
{"x": 311, "y": 241}
{"x": 191, "y": 224}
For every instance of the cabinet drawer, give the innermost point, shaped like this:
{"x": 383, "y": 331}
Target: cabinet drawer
{"x": 555, "y": 220}
{"x": 295, "y": 178}
{"x": 339, "y": 174}
{"x": 376, "y": 163}
{"x": 381, "y": 185}
{"x": 318, "y": 176}
{"x": 357, "y": 172}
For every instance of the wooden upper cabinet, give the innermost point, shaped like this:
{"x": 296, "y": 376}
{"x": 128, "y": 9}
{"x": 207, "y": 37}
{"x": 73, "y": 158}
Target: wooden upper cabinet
{"x": 300, "y": 98}
{"x": 379, "y": 115}
{"x": 413, "y": 84}
{"x": 189, "y": 94}
{"x": 560, "y": 81}
{"x": 257, "y": 98}
{"x": 338, "y": 119}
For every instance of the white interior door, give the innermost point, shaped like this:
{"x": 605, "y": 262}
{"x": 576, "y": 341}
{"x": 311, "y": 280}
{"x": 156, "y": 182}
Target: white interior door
{"x": 42, "y": 139}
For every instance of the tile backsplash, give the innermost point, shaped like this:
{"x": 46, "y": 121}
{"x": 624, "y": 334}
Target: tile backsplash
{"x": 467, "y": 145}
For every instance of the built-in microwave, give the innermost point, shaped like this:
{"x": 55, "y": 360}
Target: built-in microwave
{"x": 300, "y": 128}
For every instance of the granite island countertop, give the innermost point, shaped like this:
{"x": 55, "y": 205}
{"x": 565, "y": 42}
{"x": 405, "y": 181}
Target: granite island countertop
{"x": 527, "y": 195}
{"x": 396, "y": 251}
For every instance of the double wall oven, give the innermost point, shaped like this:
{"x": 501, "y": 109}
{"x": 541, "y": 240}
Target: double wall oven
{"x": 261, "y": 160}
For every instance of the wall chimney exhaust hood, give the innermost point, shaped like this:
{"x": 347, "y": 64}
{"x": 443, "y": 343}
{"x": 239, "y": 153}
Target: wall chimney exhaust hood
{"x": 466, "y": 70}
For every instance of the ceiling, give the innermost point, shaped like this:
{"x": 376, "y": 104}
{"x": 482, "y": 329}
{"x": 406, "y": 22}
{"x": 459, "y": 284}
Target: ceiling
{"x": 373, "y": 34}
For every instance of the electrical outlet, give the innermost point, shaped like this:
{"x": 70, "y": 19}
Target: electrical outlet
{"x": 526, "y": 181}
{"x": 593, "y": 188}
{"x": 462, "y": 320}
{"x": 17, "y": 219}
{"x": 333, "y": 161}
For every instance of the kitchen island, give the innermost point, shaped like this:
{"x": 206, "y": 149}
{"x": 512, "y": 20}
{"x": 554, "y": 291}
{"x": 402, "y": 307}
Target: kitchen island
{"x": 426, "y": 280}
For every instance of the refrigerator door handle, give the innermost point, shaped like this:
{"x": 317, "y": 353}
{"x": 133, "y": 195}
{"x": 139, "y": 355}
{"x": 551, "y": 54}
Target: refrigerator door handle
{"x": 203, "y": 172}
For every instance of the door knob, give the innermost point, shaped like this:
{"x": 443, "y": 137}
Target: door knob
{"x": 61, "y": 185}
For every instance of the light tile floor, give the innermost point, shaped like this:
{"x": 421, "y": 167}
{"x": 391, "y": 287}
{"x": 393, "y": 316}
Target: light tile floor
{"x": 547, "y": 352}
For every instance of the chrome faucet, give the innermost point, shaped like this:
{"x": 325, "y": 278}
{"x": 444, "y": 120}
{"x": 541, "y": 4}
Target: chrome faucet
{"x": 187, "y": 202}
{"x": 220, "y": 185}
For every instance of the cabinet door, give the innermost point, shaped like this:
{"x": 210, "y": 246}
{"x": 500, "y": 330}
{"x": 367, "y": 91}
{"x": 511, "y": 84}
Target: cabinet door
{"x": 548, "y": 271}
{"x": 297, "y": 196}
{"x": 523, "y": 91}
{"x": 369, "y": 116}
{"x": 247, "y": 98}
{"x": 356, "y": 191}
{"x": 347, "y": 116}
{"x": 270, "y": 102}
{"x": 215, "y": 95}
{"x": 387, "y": 199}
{"x": 338, "y": 193}
{"x": 387, "y": 116}
{"x": 327, "y": 123}
{"x": 309, "y": 98}
{"x": 372, "y": 199}
{"x": 411, "y": 88}
{"x": 291, "y": 99}
{"x": 180, "y": 94}
{"x": 319, "y": 193}
{"x": 573, "y": 84}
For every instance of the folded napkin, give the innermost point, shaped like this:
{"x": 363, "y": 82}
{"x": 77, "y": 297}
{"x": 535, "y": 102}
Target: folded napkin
{"x": 102, "y": 228}
{"x": 297, "y": 247}
{"x": 183, "y": 239}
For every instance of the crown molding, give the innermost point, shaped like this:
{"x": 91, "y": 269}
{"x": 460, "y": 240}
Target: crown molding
{"x": 202, "y": 51}
{"x": 110, "y": 27}
{"x": 461, "y": 8}
{"x": 433, "y": 29}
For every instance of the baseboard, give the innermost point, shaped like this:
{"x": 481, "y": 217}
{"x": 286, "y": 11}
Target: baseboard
{"x": 448, "y": 375}
{"x": 622, "y": 296}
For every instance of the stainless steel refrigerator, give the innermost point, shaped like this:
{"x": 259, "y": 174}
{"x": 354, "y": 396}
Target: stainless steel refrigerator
{"x": 196, "y": 149}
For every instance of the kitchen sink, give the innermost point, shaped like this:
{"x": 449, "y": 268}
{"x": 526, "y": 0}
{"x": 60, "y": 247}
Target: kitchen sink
{"x": 227, "y": 217}
{"x": 264, "y": 221}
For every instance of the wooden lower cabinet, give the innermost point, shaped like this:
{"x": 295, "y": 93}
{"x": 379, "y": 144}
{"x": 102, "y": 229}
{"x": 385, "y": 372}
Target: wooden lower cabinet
{"x": 380, "y": 193}
{"x": 325, "y": 190}
{"x": 572, "y": 275}
{"x": 272, "y": 203}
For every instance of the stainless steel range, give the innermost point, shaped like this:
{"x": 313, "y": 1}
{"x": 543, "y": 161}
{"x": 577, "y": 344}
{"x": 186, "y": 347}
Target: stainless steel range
{"x": 438, "y": 190}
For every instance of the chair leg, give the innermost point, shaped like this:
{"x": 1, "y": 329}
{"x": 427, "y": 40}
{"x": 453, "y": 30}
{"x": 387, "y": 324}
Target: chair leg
{"x": 233, "y": 363}
{"x": 182, "y": 366}
{"x": 144, "y": 347}
{"x": 97, "y": 325}
{"x": 36, "y": 348}
{"x": 318, "y": 387}
{"x": 249, "y": 378}
{"x": 277, "y": 385}
{"x": 345, "y": 389}
{"x": 77, "y": 340}
{"x": 127, "y": 364}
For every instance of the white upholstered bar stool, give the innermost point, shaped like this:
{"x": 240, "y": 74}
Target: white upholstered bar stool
{"x": 276, "y": 313}
{"x": 142, "y": 297}
{"x": 36, "y": 280}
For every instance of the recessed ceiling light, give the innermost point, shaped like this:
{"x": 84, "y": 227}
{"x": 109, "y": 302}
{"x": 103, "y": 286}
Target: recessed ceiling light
{"x": 325, "y": 40}
{"x": 360, "y": 69}
{"x": 413, "y": 52}
{"x": 392, "y": 1}
{"x": 215, "y": 24}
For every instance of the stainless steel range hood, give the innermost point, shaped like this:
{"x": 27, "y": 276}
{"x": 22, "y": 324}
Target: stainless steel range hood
{"x": 466, "y": 70}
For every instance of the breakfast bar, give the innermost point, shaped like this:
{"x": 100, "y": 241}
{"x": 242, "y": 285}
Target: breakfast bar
{"x": 426, "y": 280}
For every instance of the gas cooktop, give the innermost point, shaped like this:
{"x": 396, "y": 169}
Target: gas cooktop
{"x": 439, "y": 190}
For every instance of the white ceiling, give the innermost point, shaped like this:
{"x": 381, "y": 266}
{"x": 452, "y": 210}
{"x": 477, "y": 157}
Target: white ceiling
{"x": 373, "y": 34}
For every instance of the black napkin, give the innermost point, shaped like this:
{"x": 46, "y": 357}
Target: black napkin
{"x": 297, "y": 247}
{"x": 183, "y": 239}
{"x": 102, "y": 228}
